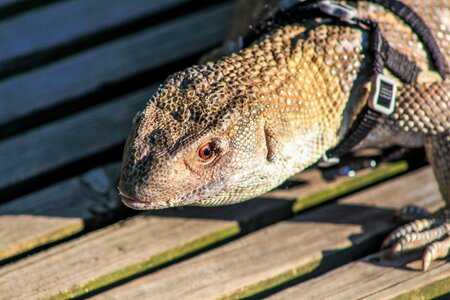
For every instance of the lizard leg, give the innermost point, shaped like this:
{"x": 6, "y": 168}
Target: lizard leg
{"x": 438, "y": 153}
{"x": 431, "y": 233}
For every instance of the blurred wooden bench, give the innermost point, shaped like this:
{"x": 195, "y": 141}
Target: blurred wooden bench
{"x": 72, "y": 76}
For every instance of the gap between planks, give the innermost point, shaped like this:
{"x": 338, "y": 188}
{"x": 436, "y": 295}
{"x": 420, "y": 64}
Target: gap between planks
{"x": 151, "y": 248}
{"x": 10, "y": 8}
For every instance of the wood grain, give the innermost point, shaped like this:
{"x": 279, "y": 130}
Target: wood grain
{"x": 27, "y": 93}
{"x": 288, "y": 249}
{"x": 107, "y": 255}
{"x": 375, "y": 277}
{"x": 57, "y": 211}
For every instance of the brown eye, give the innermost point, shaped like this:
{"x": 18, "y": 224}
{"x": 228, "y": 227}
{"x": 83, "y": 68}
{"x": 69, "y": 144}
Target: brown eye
{"x": 206, "y": 151}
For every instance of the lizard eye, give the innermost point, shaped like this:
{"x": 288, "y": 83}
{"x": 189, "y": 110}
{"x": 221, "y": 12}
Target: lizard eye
{"x": 206, "y": 151}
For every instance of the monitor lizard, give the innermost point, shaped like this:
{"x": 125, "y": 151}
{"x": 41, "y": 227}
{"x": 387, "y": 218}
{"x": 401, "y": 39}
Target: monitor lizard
{"x": 241, "y": 123}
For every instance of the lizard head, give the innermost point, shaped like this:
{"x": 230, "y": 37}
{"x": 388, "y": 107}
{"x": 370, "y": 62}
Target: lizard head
{"x": 233, "y": 129}
{"x": 194, "y": 143}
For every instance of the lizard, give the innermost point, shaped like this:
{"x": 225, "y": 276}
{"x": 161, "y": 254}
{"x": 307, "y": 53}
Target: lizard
{"x": 248, "y": 118}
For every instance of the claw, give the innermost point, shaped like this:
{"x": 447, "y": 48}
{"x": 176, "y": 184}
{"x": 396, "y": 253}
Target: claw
{"x": 427, "y": 257}
{"x": 416, "y": 240}
{"x": 435, "y": 251}
{"x": 431, "y": 233}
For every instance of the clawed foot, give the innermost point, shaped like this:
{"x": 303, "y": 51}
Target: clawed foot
{"x": 425, "y": 231}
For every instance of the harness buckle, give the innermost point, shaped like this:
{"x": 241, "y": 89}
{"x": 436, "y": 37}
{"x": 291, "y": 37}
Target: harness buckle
{"x": 326, "y": 161}
{"x": 337, "y": 10}
{"x": 382, "y": 97}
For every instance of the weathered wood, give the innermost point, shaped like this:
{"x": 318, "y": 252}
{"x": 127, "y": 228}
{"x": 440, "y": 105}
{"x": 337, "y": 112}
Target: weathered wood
{"x": 58, "y": 211}
{"x": 108, "y": 255}
{"x": 249, "y": 215}
{"x": 81, "y": 74}
{"x": 60, "y": 23}
{"x": 375, "y": 277}
{"x": 70, "y": 139}
{"x": 289, "y": 249}
{"x": 323, "y": 190}
{"x": 62, "y": 209}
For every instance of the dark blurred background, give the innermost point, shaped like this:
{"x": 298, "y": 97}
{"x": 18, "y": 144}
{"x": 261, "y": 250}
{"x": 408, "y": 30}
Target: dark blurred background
{"x": 74, "y": 73}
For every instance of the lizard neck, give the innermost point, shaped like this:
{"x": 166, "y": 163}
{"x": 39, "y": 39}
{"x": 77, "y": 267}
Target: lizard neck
{"x": 302, "y": 77}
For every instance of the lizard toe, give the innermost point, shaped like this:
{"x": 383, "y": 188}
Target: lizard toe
{"x": 418, "y": 240}
{"x": 414, "y": 226}
{"x": 432, "y": 233}
{"x": 435, "y": 250}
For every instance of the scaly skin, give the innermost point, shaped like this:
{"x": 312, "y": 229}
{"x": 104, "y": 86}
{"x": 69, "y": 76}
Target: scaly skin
{"x": 274, "y": 108}
{"x": 270, "y": 110}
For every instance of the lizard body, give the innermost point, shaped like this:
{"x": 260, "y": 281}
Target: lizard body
{"x": 233, "y": 128}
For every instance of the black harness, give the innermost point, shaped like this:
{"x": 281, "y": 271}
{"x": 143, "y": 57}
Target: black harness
{"x": 382, "y": 97}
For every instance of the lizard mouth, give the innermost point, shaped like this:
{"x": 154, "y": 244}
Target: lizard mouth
{"x": 134, "y": 203}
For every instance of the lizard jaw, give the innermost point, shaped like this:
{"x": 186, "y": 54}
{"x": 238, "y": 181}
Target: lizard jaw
{"x": 134, "y": 203}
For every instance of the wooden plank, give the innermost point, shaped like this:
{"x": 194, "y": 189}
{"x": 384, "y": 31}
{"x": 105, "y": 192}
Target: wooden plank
{"x": 70, "y": 139}
{"x": 289, "y": 249}
{"x": 242, "y": 217}
{"x": 108, "y": 254}
{"x": 53, "y": 31}
{"x": 88, "y": 71}
{"x": 375, "y": 277}
{"x": 53, "y": 25}
{"x": 57, "y": 211}
{"x": 323, "y": 190}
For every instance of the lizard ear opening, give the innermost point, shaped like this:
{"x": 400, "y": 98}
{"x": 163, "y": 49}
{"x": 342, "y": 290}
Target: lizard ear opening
{"x": 270, "y": 144}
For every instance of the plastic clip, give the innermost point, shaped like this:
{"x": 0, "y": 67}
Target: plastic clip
{"x": 382, "y": 98}
{"x": 326, "y": 161}
{"x": 338, "y": 10}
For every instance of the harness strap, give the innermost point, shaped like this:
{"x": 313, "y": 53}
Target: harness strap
{"x": 399, "y": 64}
{"x": 421, "y": 29}
{"x": 382, "y": 98}
{"x": 383, "y": 92}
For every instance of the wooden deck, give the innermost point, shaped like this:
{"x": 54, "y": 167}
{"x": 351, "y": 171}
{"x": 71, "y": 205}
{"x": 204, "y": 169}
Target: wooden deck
{"x": 72, "y": 76}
